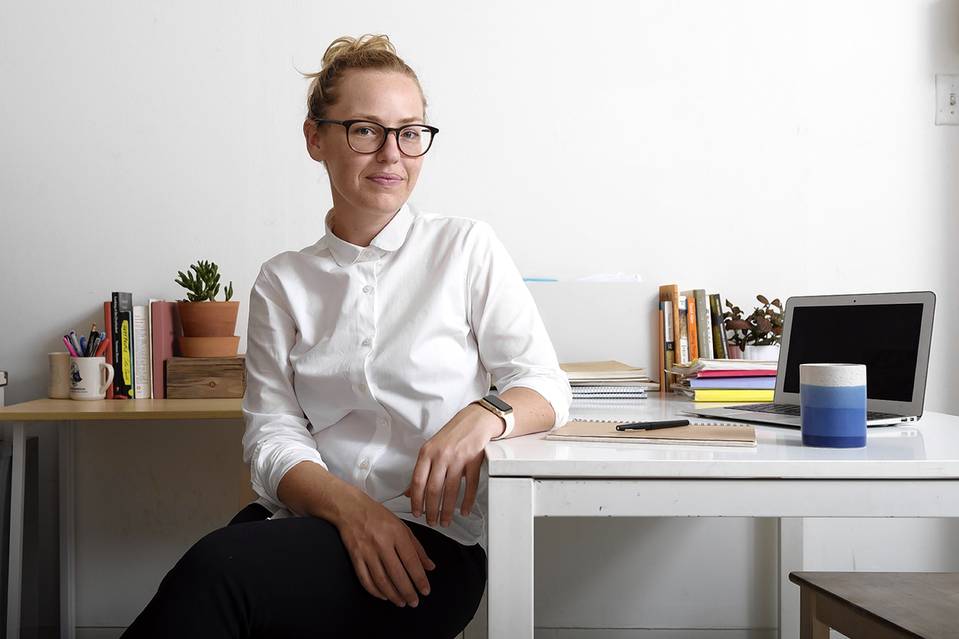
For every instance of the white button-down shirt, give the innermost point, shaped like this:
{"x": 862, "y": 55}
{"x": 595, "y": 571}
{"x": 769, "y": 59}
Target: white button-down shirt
{"x": 356, "y": 356}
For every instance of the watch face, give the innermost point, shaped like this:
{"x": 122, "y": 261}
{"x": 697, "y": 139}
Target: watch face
{"x": 498, "y": 403}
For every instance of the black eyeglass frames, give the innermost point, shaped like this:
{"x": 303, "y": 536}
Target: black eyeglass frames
{"x": 364, "y": 136}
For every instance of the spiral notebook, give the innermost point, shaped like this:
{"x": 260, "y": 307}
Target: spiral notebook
{"x": 716, "y": 434}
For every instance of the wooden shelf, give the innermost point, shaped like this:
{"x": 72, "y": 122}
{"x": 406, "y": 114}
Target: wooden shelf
{"x": 43, "y": 410}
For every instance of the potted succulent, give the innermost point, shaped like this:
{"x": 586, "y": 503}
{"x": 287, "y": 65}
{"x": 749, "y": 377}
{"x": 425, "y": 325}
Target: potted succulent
{"x": 208, "y": 325}
{"x": 757, "y": 335}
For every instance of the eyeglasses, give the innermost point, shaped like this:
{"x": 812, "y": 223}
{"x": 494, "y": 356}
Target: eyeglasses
{"x": 364, "y": 136}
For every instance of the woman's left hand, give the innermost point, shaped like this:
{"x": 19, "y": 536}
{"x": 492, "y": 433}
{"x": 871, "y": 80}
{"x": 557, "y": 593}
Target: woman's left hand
{"x": 452, "y": 454}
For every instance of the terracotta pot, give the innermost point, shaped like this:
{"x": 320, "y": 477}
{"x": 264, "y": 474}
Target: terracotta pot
{"x": 208, "y": 346}
{"x": 733, "y": 351}
{"x": 208, "y": 319}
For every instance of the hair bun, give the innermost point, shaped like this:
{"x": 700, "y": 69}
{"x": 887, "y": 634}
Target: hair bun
{"x": 357, "y": 49}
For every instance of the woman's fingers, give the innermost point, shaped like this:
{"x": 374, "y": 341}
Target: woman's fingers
{"x": 413, "y": 564}
{"x": 450, "y": 492}
{"x": 434, "y": 493}
{"x": 363, "y": 574}
{"x": 472, "y": 485}
{"x": 384, "y": 582}
{"x": 421, "y": 473}
{"x": 424, "y": 558}
{"x": 400, "y": 578}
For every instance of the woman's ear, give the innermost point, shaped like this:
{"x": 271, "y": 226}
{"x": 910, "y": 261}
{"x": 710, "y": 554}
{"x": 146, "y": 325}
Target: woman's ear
{"x": 312, "y": 135}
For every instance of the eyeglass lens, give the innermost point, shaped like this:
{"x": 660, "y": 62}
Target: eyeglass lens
{"x": 368, "y": 137}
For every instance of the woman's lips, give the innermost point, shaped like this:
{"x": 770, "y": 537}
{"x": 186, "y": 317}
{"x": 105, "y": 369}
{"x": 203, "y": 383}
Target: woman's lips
{"x": 386, "y": 180}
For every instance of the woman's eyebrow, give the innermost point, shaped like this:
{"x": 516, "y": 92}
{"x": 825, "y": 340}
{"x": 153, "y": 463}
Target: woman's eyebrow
{"x": 367, "y": 116}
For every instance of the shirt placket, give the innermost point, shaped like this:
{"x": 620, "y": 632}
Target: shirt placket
{"x": 368, "y": 332}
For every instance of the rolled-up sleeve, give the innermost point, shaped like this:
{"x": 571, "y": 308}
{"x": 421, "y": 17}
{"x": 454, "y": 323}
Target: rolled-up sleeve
{"x": 276, "y": 436}
{"x": 513, "y": 343}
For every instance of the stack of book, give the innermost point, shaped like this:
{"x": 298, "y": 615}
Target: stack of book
{"x": 690, "y": 328}
{"x": 726, "y": 380}
{"x": 609, "y": 381}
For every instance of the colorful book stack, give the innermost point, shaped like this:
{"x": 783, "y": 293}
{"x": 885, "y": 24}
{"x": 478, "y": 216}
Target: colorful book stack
{"x": 142, "y": 338}
{"x": 726, "y": 380}
{"x": 690, "y": 328}
{"x": 609, "y": 381}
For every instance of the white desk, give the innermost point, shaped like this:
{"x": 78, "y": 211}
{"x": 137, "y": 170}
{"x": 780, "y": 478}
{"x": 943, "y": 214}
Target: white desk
{"x": 530, "y": 477}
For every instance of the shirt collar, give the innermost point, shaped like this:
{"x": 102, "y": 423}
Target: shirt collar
{"x": 389, "y": 239}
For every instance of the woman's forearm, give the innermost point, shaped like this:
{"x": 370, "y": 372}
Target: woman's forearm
{"x": 310, "y": 489}
{"x": 533, "y": 414}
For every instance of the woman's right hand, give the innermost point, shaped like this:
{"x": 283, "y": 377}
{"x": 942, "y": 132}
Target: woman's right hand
{"x": 388, "y": 559}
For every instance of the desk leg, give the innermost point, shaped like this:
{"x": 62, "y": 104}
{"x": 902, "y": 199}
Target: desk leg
{"x": 510, "y": 558}
{"x": 15, "y": 562}
{"x": 790, "y": 559}
{"x": 67, "y": 452}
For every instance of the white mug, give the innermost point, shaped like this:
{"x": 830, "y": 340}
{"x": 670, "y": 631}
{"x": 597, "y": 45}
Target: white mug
{"x": 89, "y": 377}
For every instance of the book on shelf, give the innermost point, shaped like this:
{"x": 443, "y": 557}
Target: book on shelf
{"x": 108, "y": 353}
{"x": 683, "y": 331}
{"x": 727, "y": 394}
{"x": 121, "y": 322}
{"x": 165, "y": 328}
{"x": 142, "y": 366}
{"x": 692, "y": 326}
{"x": 704, "y": 324}
{"x": 720, "y": 347}
{"x": 608, "y": 370}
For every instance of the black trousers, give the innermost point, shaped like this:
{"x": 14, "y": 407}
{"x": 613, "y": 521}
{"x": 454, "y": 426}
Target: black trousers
{"x": 294, "y": 578}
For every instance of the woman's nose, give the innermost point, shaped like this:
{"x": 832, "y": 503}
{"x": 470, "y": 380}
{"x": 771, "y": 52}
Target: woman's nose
{"x": 390, "y": 151}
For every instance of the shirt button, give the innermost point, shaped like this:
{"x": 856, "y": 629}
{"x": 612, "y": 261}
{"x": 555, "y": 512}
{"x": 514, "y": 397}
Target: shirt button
{"x": 367, "y": 289}
{"x": 367, "y": 341}
{"x": 364, "y": 463}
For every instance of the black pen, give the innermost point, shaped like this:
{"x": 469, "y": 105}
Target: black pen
{"x": 669, "y": 423}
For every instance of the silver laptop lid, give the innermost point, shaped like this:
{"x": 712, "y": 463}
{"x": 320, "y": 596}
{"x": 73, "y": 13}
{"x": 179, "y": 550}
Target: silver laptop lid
{"x": 888, "y": 332}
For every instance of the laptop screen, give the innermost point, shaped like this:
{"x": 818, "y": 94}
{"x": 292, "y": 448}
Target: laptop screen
{"x": 884, "y": 337}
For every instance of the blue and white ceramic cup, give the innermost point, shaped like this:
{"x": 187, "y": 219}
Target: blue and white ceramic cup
{"x": 832, "y": 402}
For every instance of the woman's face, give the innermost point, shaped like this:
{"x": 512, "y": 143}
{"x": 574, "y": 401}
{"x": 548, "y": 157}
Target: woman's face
{"x": 375, "y": 183}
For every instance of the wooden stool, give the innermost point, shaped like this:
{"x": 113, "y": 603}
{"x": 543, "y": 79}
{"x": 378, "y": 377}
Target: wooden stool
{"x": 878, "y": 605}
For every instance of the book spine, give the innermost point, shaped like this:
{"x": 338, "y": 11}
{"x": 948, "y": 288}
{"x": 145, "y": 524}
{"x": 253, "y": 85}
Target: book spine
{"x": 683, "y": 332}
{"x": 108, "y": 329}
{"x": 143, "y": 388}
{"x": 719, "y": 332}
{"x": 670, "y": 344}
{"x": 123, "y": 377}
{"x": 732, "y": 395}
{"x": 704, "y": 322}
{"x": 693, "y": 324}
{"x": 661, "y": 317}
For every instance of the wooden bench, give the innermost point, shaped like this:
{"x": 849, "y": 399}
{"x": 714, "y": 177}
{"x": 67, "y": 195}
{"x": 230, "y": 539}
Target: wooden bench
{"x": 878, "y": 605}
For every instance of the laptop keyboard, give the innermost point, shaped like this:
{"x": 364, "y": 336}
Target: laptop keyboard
{"x": 793, "y": 409}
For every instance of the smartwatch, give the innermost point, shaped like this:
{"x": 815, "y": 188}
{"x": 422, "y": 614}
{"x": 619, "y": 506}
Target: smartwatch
{"x": 498, "y": 407}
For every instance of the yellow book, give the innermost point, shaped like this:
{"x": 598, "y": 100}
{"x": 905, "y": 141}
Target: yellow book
{"x": 729, "y": 394}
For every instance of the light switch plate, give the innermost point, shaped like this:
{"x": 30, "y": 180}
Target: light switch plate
{"x": 947, "y": 99}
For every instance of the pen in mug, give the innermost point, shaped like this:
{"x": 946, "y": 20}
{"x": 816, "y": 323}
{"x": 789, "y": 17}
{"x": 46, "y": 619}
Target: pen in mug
{"x": 93, "y": 335}
{"x": 94, "y": 344}
{"x": 76, "y": 343}
{"x": 83, "y": 345}
{"x": 102, "y": 348}
{"x": 69, "y": 345}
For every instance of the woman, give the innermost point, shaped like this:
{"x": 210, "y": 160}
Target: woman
{"x": 369, "y": 356}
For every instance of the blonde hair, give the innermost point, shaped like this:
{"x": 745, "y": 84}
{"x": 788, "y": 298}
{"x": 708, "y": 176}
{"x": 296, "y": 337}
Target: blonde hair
{"x": 345, "y": 53}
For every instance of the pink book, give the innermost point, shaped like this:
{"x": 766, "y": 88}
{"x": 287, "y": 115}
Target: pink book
{"x": 165, "y": 330}
{"x": 736, "y": 373}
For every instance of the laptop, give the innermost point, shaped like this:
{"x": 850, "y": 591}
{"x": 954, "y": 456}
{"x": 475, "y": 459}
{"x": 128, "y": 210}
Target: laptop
{"x": 888, "y": 332}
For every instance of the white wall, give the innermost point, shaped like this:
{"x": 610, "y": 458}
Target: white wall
{"x": 749, "y": 146}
